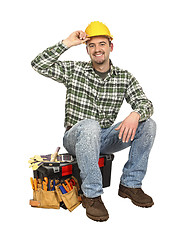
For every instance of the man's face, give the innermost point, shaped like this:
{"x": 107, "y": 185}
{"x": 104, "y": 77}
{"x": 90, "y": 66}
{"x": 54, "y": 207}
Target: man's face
{"x": 99, "y": 49}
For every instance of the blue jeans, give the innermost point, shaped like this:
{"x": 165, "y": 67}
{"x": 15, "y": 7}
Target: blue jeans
{"x": 86, "y": 140}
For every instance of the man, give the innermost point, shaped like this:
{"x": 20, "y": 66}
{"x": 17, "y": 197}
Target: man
{"x": 95, "y": 93}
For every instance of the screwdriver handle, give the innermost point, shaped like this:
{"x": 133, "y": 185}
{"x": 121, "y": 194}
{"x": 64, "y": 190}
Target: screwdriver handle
{"x": 32, "y": 183}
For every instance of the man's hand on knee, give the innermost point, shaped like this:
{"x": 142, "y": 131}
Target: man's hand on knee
{"x": 128, "y": 127}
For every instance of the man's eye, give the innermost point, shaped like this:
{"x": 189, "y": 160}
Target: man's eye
{"x": 91, "y": 46}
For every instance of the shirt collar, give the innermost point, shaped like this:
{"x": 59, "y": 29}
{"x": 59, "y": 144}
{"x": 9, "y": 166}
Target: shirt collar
{"x": 113, "y": 70}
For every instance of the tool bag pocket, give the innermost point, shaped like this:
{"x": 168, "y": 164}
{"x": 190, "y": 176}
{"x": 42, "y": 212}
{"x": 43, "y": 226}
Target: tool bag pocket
{"x": 49, "y": 199}
{"x": 70, "y": 199}
{"x": 45, "y": 199}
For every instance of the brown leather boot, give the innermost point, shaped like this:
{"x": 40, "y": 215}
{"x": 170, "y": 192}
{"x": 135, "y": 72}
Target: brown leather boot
{"x": 137, "y": 196}
{"x": 95, "y": 208}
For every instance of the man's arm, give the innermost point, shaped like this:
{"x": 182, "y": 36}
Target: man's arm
{"x": 47, "y": 63}
{"x": 136, "y": 97}
{"x": 142, "y": 110}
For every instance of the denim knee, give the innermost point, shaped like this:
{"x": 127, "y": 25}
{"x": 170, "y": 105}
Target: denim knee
{"x": 89, "y": 127}
{"x": 151, "y": 127}
{"x": 148, "y": 131}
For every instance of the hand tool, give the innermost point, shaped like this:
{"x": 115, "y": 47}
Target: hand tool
{"x": 49, "y": 185}
{"x": 76, "y": 182}
{"x": 72, "y": 181}
{"x": 62, "y": 190}
{"x": 71, "y": 184}
{"x": 44, "y": 186}
{"x": 54, "y": 156}
{"x": 32, "y": 183}
{"x": 35, "y": 184}
{"x": 45, "y": 182}
{"x": 57, "y": 181}
{"x": 68, "y": 185}
{"x": 39, "y": 185}
{"x": 66, "y": 188}
{"x": 53, "y": 188}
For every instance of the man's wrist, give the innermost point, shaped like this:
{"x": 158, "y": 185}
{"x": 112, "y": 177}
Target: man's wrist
{"x": 66, "y": 43}
{"x": 136, "y": 114}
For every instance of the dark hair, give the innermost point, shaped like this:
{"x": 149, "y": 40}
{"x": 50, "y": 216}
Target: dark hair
{"x": 109, "y": 40}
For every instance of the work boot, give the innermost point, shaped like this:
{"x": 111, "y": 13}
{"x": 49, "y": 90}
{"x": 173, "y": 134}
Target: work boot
{"x": 95, "y": 208}
{"x": 137, "y": 196}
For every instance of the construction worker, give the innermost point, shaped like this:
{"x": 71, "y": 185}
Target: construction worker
{"x": 95, "y": 93}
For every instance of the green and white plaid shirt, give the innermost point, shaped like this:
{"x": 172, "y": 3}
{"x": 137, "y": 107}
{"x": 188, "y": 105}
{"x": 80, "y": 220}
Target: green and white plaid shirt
{"x": 88, "y": 96}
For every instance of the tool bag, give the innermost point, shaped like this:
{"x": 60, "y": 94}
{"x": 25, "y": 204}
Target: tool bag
{"x": 55, "y": 193}
{"x": 62, "y": 172}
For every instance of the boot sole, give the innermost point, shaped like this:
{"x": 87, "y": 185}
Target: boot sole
{"x": 143, "y": 205}
{"x": 95, "y": 218}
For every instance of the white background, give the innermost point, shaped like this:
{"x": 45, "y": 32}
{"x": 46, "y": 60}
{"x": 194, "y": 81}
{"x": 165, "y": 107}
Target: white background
{"x": 154, "y": 40}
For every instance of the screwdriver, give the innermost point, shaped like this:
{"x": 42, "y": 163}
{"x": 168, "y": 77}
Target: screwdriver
{"x": 32, "y": 183}
{"x": 45, "y": 182}
{"x": 35, "y": 184}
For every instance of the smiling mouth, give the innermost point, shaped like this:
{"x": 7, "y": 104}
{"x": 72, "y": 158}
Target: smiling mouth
{"x": 98, "y": 54}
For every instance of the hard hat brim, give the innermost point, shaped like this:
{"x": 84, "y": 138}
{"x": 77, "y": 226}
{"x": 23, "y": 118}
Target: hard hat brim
{"x": 103, "y": 35}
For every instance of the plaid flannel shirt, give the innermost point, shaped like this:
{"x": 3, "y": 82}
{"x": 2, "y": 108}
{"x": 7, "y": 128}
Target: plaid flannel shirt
{"x": 88, "y": 96}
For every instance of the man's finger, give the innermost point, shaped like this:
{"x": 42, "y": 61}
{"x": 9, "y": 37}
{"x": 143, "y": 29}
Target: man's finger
{"x": 85, "y": 40}
{"x": 125, "y": 134}
{"x": 118, "y": 127}
{"x": 121, "y": 132}
{"x": 129, "y": 135}
{"x": 133, "y": 134}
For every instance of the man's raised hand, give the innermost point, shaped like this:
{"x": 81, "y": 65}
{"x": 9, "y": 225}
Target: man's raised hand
{"x": 76, "y": 38}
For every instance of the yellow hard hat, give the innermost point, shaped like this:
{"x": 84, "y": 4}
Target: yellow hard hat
{"x": 98, "y": 29}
